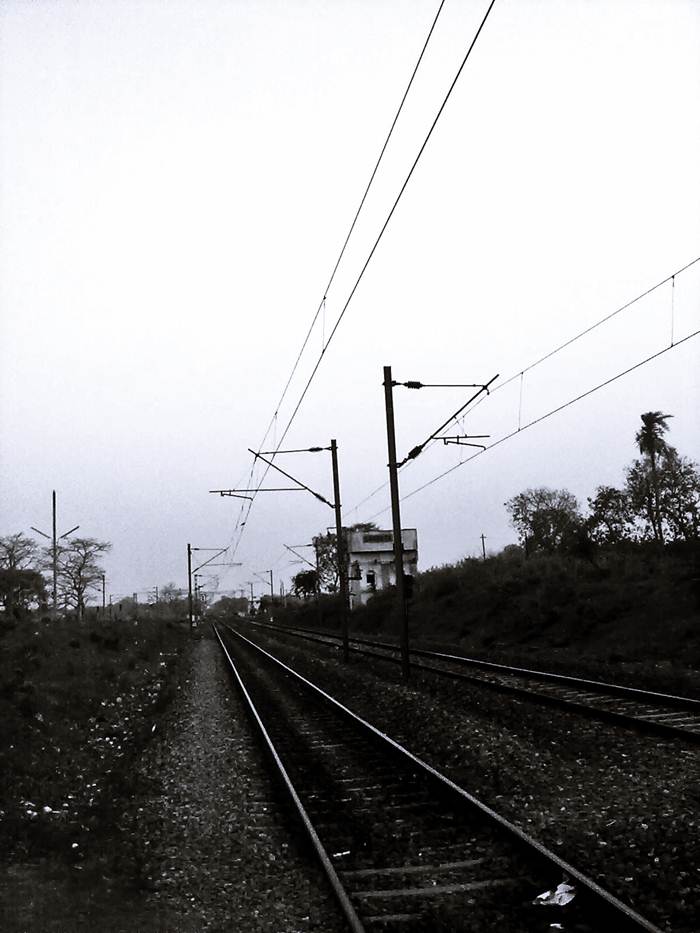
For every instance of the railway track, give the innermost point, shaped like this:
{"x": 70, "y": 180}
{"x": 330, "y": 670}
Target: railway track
{"x": 404, "y": 848}
{"x": 645, "y": 710}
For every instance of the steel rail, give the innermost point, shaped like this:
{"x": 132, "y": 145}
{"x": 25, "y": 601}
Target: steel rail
{"x": 626, "y": 719}
{"x": 339, "y": 891}
{"x": 600, "y": 686}
{"x": 598, "y": 894}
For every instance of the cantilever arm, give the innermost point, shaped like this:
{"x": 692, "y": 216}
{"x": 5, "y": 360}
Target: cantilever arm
{"x": 293, "y": 478}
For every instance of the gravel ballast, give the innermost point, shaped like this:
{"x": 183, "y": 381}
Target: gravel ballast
{"x": 620, "y": 806}
{"x": 211, "y": 836}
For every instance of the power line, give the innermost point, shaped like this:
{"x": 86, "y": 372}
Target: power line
{"x": 562, "y": 346}
{"x": 354, "y": 223}
{"x": 603, "y": 320}
{"x": 381, "y": 233}
{"x": 388, "y": 219}
{"x": 541, "y": 418}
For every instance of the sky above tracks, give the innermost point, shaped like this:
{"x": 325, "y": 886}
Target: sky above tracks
{"x": 176, "y": 182}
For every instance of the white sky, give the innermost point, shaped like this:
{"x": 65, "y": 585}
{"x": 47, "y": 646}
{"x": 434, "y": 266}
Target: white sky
{"x": 176, "y": 180}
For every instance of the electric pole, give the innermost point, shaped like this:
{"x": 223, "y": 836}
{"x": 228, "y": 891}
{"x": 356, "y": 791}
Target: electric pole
{"x": 54, "y": 553}
{"x": 189, "y": 585}
{"x": 104, "y": 603}
{"x": 396, "y": 520}
{"x": 340, "y": 546}
{"x": 483, "y": 545}
{"x": 340, "y": 543}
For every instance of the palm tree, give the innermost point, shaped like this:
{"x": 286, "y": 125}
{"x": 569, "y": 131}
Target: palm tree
{"x": 651, "y": 442}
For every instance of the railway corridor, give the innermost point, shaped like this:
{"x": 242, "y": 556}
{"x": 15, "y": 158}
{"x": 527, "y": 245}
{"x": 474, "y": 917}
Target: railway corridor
{"x": 622, "y": 803}
{"x": 413, "y": 851}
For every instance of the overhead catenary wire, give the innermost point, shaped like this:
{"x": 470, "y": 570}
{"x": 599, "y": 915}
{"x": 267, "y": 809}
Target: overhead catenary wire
{"x": 322, "y": 304}
{"x": 374, "y": 247}
{"x": 544, "y": 417}
{"x": 388, "y": 220}
{"x": 547, "y": 356}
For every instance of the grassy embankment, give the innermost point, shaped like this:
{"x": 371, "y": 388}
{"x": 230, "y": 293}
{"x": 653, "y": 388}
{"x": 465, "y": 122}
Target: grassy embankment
{"x": 632, "y": 613}
{"x": 77, "y": 703}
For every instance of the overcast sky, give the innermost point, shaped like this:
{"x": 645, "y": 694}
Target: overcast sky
{"x": 177, "y": 180}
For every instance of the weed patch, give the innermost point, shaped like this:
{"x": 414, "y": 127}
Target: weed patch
{"x": 76, "y": 707}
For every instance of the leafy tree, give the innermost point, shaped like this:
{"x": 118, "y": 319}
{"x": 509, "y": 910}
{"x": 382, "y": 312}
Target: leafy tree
{"x": 170, "y": 592}
{"x": 125, "y": 608}
{"x": 611, "y": 519}
{"x": 21, "y": 585}
{"x": 327, "y": 555}
{"x": 228, "y": 606}
{"x": 544, "y": 518}
{"x": 171, "y": 605}
{"x": 79, "y": 572}
{"x": 666, "y": 503}
{"x": 22, "y": 590}
{"x": 652, "y": 446}
{"x": 327, "y": 561}
{"x": 305, "y": 583}
{"x": 680, "y": 497}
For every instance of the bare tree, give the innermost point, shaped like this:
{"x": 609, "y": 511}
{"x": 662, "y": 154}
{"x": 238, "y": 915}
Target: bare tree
{"x": 79, "y": 572}
{"x": 18, "y": 552}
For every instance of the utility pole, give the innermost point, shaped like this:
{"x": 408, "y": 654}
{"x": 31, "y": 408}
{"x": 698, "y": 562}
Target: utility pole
{"x": 272, "y": 587}
{"x": 396, "y": 520}
{"x": 340, "y": 547}
{"x": 110, "y": 607}
{"x": 54, "y": 553}
{"x": 104, "y": 603}
{"x": 342, "y": 570}
{"x": 196, "y": 598}
{"x": 483, "y": 545}
{"x": 190, "y": 574}
{"x": 189, "y": 585}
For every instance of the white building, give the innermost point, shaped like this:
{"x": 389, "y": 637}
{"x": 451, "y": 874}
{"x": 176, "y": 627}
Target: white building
{"x": 371, "y": 561}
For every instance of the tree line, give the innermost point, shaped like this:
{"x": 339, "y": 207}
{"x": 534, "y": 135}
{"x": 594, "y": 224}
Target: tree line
{"x": 659, "y": 502}
{"x": 26, "y": 573}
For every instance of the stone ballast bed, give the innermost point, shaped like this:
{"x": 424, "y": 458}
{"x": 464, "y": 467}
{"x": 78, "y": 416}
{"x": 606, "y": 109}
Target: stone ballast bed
{"x": 619, "y": 806}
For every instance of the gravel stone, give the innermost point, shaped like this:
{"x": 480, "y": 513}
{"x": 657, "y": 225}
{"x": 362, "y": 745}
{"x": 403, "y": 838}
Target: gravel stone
{"x": 621, "y": 807}
{"x": 211, "y": 837}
